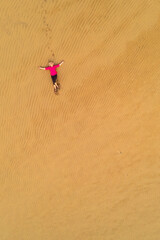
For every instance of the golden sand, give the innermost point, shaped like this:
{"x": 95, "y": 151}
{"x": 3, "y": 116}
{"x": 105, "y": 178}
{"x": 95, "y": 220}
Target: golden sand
{"x": 83, "y": 165}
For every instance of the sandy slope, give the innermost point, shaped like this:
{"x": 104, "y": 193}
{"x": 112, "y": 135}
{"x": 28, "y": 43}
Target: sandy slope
{"x": 84, "y": 164}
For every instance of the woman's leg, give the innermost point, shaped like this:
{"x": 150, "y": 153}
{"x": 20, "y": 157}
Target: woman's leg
{"x": 54, "y": 79}
{"x": 56, "y": 84}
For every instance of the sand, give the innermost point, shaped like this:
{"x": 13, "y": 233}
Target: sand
{"x": 83, "y": 164}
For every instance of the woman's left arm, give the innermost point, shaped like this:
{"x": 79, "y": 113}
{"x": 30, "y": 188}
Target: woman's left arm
{"x": 61, "y": 63}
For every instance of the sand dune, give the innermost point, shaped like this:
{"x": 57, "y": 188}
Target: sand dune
{"x": 83, "y": 164}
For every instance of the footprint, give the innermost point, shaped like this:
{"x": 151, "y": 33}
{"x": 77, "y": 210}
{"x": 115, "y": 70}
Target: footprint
{"x": 46, "y": 29}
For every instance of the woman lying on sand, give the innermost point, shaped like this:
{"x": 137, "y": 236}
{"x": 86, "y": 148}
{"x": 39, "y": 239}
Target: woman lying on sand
{"x": 52, "y": 69}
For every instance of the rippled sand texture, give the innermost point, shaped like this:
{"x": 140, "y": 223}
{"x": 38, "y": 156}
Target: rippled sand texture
{"x": 83, "y": 165}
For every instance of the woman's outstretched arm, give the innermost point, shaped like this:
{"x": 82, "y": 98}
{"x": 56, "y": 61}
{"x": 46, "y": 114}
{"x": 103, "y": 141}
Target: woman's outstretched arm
{"x": 61, "y": 63}
{"x": 42, "y": 68}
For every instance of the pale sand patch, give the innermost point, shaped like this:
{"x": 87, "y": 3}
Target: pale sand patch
{"x": 84, "y": 164}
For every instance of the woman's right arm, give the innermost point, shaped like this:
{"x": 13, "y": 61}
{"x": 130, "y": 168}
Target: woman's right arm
{"x": 42, "y": 68}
